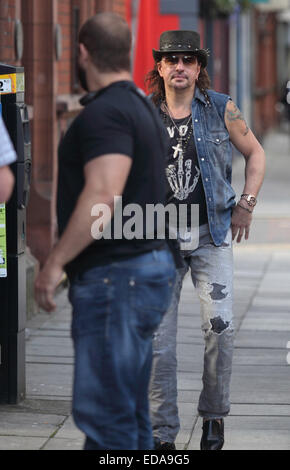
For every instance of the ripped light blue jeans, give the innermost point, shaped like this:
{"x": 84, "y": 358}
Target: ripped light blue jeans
{"x": 212, "y": 275}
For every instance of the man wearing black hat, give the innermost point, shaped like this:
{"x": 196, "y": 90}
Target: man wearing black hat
{"x": 201, "y": 124}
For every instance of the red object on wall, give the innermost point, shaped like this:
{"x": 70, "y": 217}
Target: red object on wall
{"x": 151, "y": 23}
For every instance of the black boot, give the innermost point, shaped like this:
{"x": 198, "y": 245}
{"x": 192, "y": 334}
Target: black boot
{"x": 164, "y": 445}
{"x": 213, "y": 435}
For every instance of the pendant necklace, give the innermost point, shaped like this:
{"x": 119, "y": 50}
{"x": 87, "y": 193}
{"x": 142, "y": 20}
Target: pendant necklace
{"x": 182, "y": 142}
{"x": 172, "y": 119}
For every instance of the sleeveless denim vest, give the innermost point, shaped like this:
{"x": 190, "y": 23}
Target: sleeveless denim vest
{"x": 214, "y": 152}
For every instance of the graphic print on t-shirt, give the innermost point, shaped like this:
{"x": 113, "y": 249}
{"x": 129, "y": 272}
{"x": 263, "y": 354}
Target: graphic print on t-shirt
{"x": 182, "y": 175}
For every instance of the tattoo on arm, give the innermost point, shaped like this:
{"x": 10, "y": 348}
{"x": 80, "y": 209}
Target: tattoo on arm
{"x": 234, "y": 115}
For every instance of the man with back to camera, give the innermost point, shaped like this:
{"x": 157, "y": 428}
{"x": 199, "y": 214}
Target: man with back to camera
{"x": 119, "y": 288}
{"x": 201, "y": 124}
{"x": 7, "y": 156}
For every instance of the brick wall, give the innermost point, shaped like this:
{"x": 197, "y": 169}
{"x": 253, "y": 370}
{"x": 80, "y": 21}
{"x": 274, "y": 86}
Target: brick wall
{"x": 67, "y": 11}
{"x": 10, "y": 10}
{"x": 64, "y": 18}
{"x": 119, "y": 6}
{"x": 265, "y": 89}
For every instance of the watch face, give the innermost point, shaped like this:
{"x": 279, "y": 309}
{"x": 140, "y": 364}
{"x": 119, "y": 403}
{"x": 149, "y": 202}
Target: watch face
{"x": 252, "y": 200}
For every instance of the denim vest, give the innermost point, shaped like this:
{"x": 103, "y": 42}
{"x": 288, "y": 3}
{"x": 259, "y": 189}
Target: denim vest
{"x": 214, "y": 153}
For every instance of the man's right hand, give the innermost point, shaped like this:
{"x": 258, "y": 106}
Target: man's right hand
{"x": 241, "y": 221}
{"x": 46, "y": 284}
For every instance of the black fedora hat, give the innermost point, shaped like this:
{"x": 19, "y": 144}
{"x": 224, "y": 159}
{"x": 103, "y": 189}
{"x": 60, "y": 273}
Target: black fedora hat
{"x": 180, "y": 41}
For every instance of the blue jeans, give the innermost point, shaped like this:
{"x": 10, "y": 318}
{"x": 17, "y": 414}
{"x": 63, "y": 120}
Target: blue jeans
{"x": 211, "y": 270}
{"x": 116, "y": 309}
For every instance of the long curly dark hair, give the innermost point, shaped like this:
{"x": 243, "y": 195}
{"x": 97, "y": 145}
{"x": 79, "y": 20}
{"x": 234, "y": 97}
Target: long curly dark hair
{"x": 155, "y": 84}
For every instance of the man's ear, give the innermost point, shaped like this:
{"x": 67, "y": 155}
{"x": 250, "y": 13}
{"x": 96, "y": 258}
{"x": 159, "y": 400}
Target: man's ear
{"x": 83, "y": 53}
{"x": 159, "y": 67}
{"x": 198, "y": 70}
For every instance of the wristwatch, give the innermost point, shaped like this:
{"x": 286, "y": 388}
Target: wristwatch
{"x": 251, "y": 200}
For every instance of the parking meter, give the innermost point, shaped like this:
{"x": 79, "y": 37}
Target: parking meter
{"x": 13, "y": 282}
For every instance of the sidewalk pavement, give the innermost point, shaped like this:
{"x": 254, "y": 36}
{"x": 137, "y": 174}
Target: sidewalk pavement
{"x": 260, "y": 391}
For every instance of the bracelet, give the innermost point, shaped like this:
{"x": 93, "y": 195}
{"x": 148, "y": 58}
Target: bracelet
{"x": 245, "y": 208}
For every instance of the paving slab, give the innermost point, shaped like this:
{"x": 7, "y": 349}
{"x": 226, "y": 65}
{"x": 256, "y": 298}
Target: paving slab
{"x": 258, "y": 409}
{"x": 16, "y": 443}
{"x": 49, "y": 379}
{"x": 193, "y": 335}
{"x": 27, "y": 424}
{"x": 188, "y": 396}
{"x": 40, "y": 332}
{"x": 189, "y": 309}
{"x": 41, "y": 406}
{"x": 189, "y": 382}
{"x": 64, "y": 444}
{"x": 262, "y": 339}
{"x": 190, "y": 365}
{"x": 51, "y": 397}
{"x": 50, "y": 346}
{"x": 250, "y": 386}
{"x": 183, "y": 438}
{"x": 250, "y": 434}
{"x": 187, "y": 422}
{"x": 267, "y": 324}
{"x": 49, "y": 359}
{"x": 262, "y": 300}
{"x": 69, "y": 430}
{"x": 190, "y": 321}
{"x": 261, "y": 357}
{"x": 259, "y": 423}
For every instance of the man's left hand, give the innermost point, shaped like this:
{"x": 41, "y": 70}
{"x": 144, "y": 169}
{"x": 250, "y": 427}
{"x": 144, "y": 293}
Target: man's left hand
{"x": 241, "y": 221}
{"x": 46, "y": 284}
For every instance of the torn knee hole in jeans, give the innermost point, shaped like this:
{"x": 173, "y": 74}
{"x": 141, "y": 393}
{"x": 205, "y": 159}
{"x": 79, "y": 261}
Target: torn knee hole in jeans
{"x": 209, "y": 292}
{"x": 215, "y": 293}
{"x": 218, "y": 325}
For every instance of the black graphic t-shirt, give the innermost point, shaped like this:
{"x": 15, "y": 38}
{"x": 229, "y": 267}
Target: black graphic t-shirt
{"x": 184, "y": 182}
{"x": 111, "y": 124}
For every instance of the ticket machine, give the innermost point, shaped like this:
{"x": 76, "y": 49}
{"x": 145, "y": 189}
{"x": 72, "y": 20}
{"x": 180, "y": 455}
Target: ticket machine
{"x": 13, "y": 240}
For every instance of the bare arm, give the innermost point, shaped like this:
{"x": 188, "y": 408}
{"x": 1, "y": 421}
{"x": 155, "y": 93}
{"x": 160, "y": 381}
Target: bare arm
{"x": 245, "y": 141}
{"x": 105, "y": 177}
{"x": 6, "y": 183}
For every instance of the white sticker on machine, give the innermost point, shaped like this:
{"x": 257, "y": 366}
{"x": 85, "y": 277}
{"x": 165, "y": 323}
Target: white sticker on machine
{"x": 5, "y": 85}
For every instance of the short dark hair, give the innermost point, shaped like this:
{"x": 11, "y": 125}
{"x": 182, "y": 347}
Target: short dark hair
{"x": 107, "y": 38}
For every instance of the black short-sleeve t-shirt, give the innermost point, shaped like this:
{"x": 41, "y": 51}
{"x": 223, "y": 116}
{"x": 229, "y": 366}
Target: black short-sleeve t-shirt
{"x": 184, "y": 182}
{"x": 116, "y": 121}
